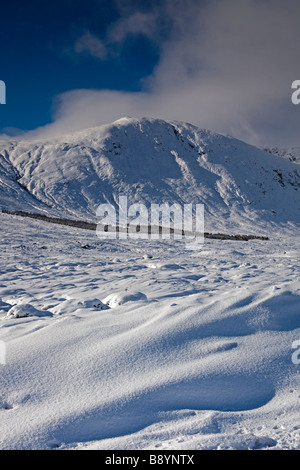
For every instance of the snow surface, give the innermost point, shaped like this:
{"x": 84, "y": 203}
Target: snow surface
{"x": 140, "y": 344}
{"x": 193, "y": 350}
{"x": 292, "y": 153}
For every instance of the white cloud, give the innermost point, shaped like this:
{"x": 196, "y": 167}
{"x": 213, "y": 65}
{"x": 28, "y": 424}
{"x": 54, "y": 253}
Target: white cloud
{"x": 227, "y": 66}
{"x": 91, "y": 45}
{"x": 136, "y": 23}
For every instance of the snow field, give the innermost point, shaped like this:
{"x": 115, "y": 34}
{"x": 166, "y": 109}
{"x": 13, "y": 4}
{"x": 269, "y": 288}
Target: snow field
{"x": 144, "y": 345}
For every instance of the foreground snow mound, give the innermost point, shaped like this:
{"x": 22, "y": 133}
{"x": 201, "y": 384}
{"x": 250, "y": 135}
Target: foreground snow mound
{"x": 151, "y": 161}
{"x": 73, "y": 305}
{"x": 114, "y": 300}
{"x": 26, "y": 310}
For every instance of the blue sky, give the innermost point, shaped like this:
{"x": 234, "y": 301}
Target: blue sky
{"x": 39, "y": 59}
{"x": 225, "y": 66}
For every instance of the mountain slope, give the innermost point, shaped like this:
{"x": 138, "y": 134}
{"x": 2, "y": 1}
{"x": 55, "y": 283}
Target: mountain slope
{"x": 292, "y": 154}
{"x": 150, "y": 161}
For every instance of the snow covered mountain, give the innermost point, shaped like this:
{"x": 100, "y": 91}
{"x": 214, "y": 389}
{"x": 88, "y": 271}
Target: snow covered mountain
{"x": 150, "y": 161}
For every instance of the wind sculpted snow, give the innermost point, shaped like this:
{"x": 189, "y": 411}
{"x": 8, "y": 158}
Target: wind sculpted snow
{"x": 144, "y": 345}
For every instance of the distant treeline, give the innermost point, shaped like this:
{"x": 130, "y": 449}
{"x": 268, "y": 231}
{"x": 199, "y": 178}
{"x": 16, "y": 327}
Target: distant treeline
{"x": 93, "y": 226}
